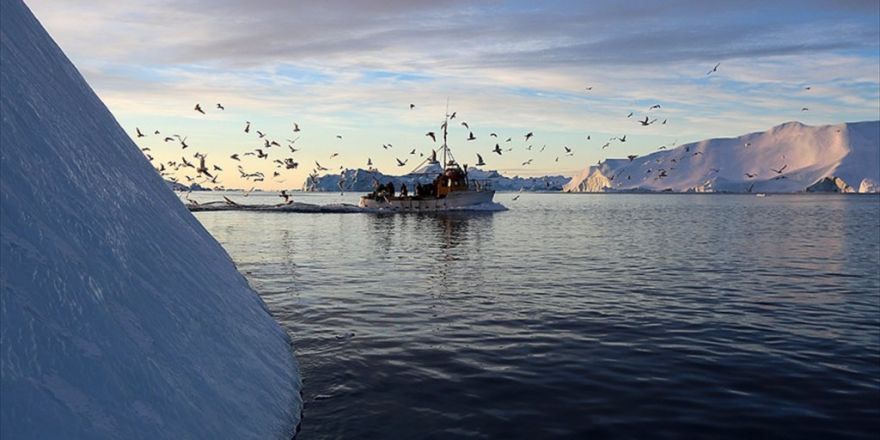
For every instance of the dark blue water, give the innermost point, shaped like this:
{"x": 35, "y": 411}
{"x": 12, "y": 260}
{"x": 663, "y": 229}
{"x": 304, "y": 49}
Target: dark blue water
{"x": 580, "y": 316}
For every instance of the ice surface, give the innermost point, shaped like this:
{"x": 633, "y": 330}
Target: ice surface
{"x": 849, "y": 152}
{"x": 120, "y": 316}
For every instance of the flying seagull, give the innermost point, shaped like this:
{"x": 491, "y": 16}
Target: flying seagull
{"x": 480, "y": 160}
{"x": 139, "y": 134}
{"x": 431, "y": 135}
{"x": 198, "y": 108}
{"x": 220, "y": 106}
{"x": 714, "y": 69}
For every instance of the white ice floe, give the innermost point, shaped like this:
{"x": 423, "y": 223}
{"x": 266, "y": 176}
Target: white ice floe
{"x": 332, "y": 208}
{"x": 121, "y": 316}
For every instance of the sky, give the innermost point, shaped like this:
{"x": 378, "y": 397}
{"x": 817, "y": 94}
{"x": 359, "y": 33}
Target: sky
{"x": 353, "y": 68}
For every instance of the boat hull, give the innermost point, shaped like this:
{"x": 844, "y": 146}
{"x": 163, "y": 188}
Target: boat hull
{"x": 454, "y": 200}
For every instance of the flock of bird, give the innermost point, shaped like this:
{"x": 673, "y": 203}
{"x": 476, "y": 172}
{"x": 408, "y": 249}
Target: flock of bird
{"x": 202, "y": 174}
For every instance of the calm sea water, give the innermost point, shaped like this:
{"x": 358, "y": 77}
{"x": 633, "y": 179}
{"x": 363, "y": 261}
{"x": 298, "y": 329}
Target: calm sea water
{"x": 579, "y": 316}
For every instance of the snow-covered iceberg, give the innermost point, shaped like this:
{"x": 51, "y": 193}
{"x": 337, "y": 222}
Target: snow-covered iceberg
{"x": 361, "y": 180}
{"x": 791, "y": 157}
{"x": 121, "y": 317}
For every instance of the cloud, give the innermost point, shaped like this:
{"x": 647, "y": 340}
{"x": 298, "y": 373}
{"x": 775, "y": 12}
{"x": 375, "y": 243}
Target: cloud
{"x": 355, "y": 67}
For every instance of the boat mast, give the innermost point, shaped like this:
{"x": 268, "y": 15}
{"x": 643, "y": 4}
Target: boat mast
{"x": 445, "y": 125}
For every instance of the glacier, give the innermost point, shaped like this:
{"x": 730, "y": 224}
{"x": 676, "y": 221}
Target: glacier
{"x": 120, "y": 316}
{"x": 791, "y": 157}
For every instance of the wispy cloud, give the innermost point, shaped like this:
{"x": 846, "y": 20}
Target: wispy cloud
{"x": 512, "y": 67}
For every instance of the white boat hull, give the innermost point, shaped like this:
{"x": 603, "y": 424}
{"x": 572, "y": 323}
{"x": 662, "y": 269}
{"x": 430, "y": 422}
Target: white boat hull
{"x": 454, "y": 200}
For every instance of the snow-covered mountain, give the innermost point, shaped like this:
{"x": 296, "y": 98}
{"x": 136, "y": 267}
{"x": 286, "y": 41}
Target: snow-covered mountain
{"x": 362, "y": 180}
{"x": 791, "y": 157}
{"x": 120, "y": 316}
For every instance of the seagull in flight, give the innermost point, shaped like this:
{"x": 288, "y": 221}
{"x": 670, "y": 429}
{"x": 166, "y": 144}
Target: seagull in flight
{"x": 714, "y": 69}
{"x": 779, "y": 171}
{"x": 220, "y": 106}
{"x": 247, "y": 127}
{"x": 529, "y": 136}
{"x": 139, "y": 134}
{"x": 401, "y": 163}
{"x": 465, "y": 125}
{"x": 198, "y": 108}
{"x": 471, "y": 136}
{"x": 431, "y": 135}
{"x": 295, "y": 127}
{"x": 480, "y": 160}
{"x": 497, "y": 149}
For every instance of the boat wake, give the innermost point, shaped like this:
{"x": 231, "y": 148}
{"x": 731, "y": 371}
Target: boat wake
{"x": 333, "y": 208}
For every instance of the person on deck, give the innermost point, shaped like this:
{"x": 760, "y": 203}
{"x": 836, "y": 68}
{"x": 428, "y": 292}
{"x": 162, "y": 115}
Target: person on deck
{"x": 403, "y": 190}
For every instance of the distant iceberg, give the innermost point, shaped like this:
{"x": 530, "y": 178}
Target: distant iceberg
{"x": 788, "y": 158}
{"x": 361, "y": 180}
{"x": 121, "y": 317}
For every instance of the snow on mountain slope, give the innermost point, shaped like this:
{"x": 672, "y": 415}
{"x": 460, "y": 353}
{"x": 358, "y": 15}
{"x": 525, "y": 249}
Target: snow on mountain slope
{"x": 120, "y": 316}
{"x": 787, "y": 158}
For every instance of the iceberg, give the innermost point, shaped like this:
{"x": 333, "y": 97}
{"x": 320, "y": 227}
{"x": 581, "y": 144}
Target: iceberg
{"x": 788, "y": 158}
{"x": 120, "y": 316}
{"x": 362, "y": 180}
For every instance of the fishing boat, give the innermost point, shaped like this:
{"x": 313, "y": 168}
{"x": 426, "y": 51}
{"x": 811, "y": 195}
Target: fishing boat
{"x": 446, "y": 186}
